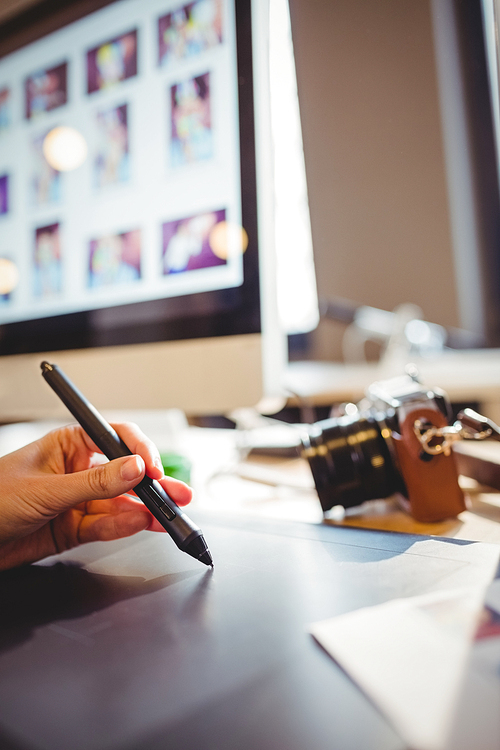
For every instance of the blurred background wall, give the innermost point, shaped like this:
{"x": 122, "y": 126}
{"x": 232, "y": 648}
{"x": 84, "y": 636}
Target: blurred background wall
{"x": 375, "y": 161}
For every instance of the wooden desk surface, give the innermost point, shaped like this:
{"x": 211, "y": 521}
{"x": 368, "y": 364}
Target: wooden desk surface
{"x": 276, "y": 488}
{"x": 283, "y": 488}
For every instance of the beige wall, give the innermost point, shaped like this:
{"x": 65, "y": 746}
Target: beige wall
{"x": 374, "y": 156}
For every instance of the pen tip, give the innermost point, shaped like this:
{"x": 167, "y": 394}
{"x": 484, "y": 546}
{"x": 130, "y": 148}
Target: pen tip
{"x": 206, "y": 558}
{"x": 197, "y": 548}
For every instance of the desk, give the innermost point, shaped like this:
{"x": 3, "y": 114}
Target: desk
{"x": 132, "y": 644}
{"x": 466, "y": 375}
{"x": 278, "y": 488}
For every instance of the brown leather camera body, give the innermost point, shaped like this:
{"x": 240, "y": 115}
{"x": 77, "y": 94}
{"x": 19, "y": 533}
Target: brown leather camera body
{"x": 433, "y": 491}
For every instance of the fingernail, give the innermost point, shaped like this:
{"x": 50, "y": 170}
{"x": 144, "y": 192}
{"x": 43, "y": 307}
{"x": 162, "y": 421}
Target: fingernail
{"x": 132, "y": 468}
{"x": 159, "y": 464}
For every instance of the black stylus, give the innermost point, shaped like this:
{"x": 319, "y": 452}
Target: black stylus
{"x": 184, "y": 532}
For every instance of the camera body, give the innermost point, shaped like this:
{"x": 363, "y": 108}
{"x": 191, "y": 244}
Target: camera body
{"x": 376, "y": 452}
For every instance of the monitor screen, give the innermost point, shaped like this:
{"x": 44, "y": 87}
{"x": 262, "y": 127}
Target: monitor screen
{"x": 128, "y": 203}
{"x": 152, "y": 89}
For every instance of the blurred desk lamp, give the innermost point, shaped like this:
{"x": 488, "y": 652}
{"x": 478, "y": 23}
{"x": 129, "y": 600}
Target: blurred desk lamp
{"x": 403, "y": 330}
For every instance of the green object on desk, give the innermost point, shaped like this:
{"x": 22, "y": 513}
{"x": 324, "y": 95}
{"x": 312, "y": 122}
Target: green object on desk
{"x": 177, "y": 466}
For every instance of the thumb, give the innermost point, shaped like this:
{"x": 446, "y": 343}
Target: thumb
{"x": 104, "y": 481}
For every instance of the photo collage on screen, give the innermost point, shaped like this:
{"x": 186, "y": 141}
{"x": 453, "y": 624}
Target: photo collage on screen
{"x": 45, "y": 90}
{"x": 144, "y": 96}
{"x": 111, "y": 164}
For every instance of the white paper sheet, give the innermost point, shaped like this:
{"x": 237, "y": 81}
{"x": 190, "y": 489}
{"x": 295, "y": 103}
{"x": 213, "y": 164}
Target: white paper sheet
{"x": 408, "y": 655}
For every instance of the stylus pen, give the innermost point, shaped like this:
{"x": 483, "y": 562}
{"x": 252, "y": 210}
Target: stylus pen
{"x": 187, "y": 536}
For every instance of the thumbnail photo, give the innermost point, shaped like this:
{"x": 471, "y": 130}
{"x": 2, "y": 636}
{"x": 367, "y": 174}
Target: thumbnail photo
{"x": 46, "y": 181}
{"x": 46, "y": 90}
{"x": 4, "y": 194}
{"x": 191, "y": 125}
{"x": 112, "y": 155}
{"x": 112, "y": 62}
{"x": 5, "y": 109}
{"x": 47, "y": 262}
{"x": 115, "y": 259}
{"x": 186, "y": 243}
{"x": 189, "y": 30}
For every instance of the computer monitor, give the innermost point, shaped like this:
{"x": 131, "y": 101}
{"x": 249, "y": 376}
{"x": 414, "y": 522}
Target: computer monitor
{"x": 146, "y": 272}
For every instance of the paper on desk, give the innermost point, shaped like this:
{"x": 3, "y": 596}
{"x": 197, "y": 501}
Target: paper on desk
{"x": 408, "y": 656}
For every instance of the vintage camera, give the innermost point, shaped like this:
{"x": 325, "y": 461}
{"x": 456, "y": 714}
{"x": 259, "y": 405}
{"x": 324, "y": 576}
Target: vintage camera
{"x": 393, "y": 443}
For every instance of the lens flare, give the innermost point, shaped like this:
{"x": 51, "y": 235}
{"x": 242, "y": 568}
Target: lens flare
{"x": 9, "y": 276}
{"x": 228, "y": 239}
{"x": 64, "y": 148}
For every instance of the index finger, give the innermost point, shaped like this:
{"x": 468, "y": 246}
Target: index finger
{"x": 137, "y": 443}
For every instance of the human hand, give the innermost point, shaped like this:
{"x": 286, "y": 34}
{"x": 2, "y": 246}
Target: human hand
{"x": 56, "y": 493}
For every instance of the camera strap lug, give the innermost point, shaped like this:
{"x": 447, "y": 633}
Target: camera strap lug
{"x": 469, "y": 426}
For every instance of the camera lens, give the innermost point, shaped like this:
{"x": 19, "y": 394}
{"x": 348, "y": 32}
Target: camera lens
{"x": 350, "y": 460}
